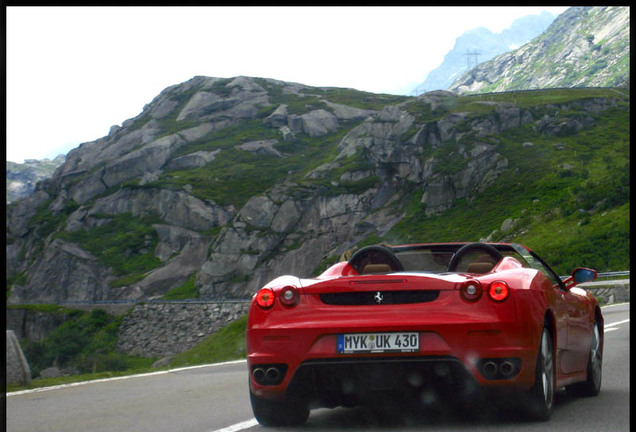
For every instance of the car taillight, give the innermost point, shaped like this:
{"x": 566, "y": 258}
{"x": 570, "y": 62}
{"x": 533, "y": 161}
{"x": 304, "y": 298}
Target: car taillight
{"x": 289, "y": 296}
{"x": 499, "y": 291}
{"x": 265, "y": 298}
{"x": 471, "y": 290}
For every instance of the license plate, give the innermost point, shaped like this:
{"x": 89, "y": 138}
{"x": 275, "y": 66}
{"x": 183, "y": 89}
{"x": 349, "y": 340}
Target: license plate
{"x": 356, "y": 343}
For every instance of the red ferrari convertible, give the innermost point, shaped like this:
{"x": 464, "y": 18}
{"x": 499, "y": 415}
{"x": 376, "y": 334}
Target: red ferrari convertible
{"x": 423, "y": 322}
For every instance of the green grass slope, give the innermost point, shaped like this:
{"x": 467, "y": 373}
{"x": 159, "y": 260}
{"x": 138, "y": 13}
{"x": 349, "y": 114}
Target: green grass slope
{"x": 567, "y": 195}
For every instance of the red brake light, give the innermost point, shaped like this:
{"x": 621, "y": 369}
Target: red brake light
{"x": 499, "y": 291}
{"x": 289, "y": 296}
{"x": 471, "y": 290}
{"x": 265, "y": 298}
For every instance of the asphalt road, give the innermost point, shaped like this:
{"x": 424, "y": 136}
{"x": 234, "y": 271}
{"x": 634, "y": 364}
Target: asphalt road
{"x": 214, "y": 398}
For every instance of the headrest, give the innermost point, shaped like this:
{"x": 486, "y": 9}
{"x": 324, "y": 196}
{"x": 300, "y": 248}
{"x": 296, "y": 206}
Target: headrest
{"x": 479, "y": 267}
{"x": 376, "y": 268}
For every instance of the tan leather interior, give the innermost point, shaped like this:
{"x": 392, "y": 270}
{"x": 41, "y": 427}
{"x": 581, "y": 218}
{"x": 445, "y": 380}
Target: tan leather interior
{"x": 479, "y": 267}
{"x": 376, "y": 268}
{"x": 483, "y": 264}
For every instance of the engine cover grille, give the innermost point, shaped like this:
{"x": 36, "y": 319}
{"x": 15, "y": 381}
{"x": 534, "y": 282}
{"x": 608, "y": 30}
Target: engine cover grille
{"x": 364, "y": 298}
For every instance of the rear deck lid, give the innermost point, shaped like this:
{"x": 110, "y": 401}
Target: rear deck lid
{"x": 396, "y": 288}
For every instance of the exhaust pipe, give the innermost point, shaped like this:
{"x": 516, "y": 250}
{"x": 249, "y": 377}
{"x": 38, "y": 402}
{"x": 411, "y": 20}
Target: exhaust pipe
{"x": 259, "y": 375}
{"x": 269, "y": 375}
{"x": 273, "y": 374}
{"x": 507, "y": 369}
{"x": 490, "y": 369}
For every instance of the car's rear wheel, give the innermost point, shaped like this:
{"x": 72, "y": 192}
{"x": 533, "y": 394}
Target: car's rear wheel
{"x": 592, "y": 385}
{"x": 541, "y": 397}
{"x": 279, "y": 413}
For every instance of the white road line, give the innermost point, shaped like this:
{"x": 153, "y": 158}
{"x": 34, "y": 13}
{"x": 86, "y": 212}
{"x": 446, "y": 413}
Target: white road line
{"x": 614, "y": 304}
{"x": 616, "y": 323}
{"x": 612, "y": 326}
{"x": 126, "y": 377}
{"x": 239, "y": 426}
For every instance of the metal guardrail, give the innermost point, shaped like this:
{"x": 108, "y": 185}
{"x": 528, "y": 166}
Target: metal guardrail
{"x": 158, "y": 301}
{"x": 606, "y": 274}
{"x": 134, "y": 302}
{"x": 207, "y": 301}
{"x": 614, "y": 274}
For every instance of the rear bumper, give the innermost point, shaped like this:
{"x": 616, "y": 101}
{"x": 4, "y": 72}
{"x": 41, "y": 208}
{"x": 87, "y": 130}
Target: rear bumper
{"x": 465, "y": 340}
{"x": 368, "y": 381}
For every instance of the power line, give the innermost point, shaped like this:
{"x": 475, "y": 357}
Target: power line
{"x": 472, "y": 58}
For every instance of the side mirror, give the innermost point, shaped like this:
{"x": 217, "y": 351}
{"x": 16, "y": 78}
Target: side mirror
{"x": 581, "y": 275}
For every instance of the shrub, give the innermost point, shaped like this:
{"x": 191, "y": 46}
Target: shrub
{"x": 187, "y": 290}
{"x": 125, "y": 243}
{"x": 86, "y": 342}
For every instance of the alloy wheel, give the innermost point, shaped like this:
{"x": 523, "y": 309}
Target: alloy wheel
{"x": 547, "y": 369}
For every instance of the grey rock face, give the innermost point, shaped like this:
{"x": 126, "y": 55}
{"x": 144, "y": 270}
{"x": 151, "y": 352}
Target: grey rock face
{"x": 278, "y": 118}
{"x": 357, "y": 187}
{"x": 149, "y": 158}
{"x": 487, "y": 45}
{"x": 18, "y": 371}
{"x": 177, "y": 208}
{"x": 583, "y": 47}
{"x": 345, "y": 112}
{"x": 261, "y": 147}
{"x": 315, "y": 123}
{"x": 64, "y": 272}
{"x": 192, "y": 160}
{"x": 19, "y": 214}
{"x": 22, "y": 178}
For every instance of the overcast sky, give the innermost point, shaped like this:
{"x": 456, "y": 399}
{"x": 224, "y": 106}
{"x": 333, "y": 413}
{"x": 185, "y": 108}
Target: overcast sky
{"x": 73, "y": 72}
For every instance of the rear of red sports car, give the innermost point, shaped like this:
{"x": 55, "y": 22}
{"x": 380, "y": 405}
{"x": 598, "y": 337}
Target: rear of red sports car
{"x": 347, "y": 338}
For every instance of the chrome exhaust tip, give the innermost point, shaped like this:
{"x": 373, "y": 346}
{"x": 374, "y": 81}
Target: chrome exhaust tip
{"x": 490, "y": 369}
{"x": 272, "y": 374}
{"x": 507, "y": 369}
{"x": 259, "y": 375}
{"x": 269, "y": 374}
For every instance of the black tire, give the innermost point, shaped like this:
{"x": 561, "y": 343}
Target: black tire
{"x": 540, "y": 398}
{"x": 471, "y": 247}
{"x": 279, "y": 413}
{"x": 592, "y": 385}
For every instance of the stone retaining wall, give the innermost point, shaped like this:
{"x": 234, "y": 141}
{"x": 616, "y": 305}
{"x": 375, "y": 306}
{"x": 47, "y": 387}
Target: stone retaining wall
{"x": 161, "y": 330}
{"x": 608, "y": 294}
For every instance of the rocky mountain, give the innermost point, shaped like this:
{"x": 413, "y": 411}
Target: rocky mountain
{"x": 479, "y": 45}
{"x": 220, "y": 184}
{"x": 583, "y": 47}
{"x": 22, "y": 178}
